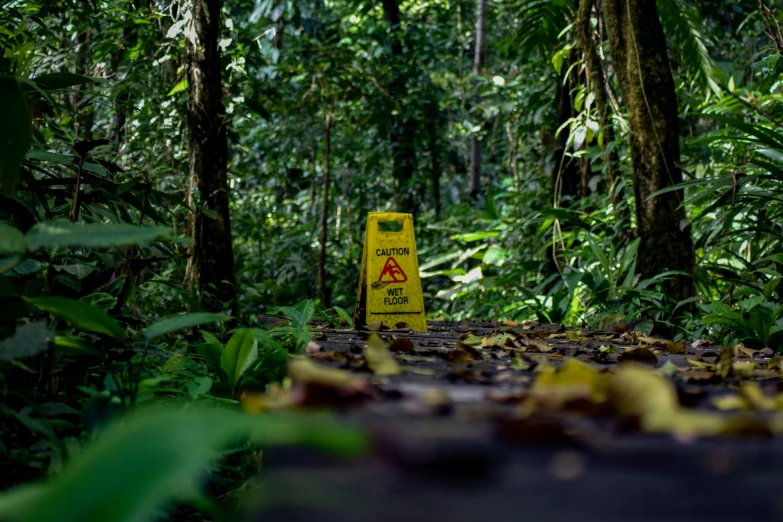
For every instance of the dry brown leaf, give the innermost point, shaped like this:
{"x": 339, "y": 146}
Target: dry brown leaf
{"x": 373, "y": 327}
{"x": 402, "y": 345}
{"x": 675, "y": 348}
{"x": 640, "y": 355}
{"x": 534, "y": 343}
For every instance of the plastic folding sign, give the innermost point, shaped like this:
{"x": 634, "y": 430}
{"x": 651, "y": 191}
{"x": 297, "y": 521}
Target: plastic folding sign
{"x": 389, "y": 284}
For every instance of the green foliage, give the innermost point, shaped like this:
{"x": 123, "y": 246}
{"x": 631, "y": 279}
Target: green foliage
{"x": 132, "y": 471}
{"x": 14, "y": 133}
{"x": 240, "y": 353}
{"x": 96, "y": 322}
{"x": 180, "y": 322}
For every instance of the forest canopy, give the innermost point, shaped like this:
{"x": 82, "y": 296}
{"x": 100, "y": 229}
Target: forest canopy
{"x": 185, "y": 184}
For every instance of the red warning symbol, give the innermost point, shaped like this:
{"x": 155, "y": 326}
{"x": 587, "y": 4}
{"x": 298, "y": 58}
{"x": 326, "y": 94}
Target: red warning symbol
{"x": 392, "y": 272}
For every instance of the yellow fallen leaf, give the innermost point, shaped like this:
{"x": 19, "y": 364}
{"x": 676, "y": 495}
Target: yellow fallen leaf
{"x": 378, "y": 357}
{"x": 744, "y": 369}
{"x": 575, "y": 380}
{"x": 652, "y": 401}
{"x": 305, "y": 371}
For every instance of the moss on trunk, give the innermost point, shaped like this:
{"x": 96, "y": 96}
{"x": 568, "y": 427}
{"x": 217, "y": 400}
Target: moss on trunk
{"x": 638, "y": 49}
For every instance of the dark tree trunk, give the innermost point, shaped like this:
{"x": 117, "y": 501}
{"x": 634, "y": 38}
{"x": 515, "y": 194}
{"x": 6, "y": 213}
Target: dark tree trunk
{"x": 211, "y": 264}
{"x": 403, "y": 127}
{"x": 324, "y": 291}
{"x": 638, "y": 48}
{"x": 474, "y": 185}
{"x": 595, "y": 82}
{"x": 566, "y": 176}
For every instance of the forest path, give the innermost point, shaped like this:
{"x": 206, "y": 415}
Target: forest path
{"x": 465, "y": 433}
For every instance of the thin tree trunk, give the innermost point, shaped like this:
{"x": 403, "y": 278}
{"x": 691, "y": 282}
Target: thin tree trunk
{"x": 433, "y": 119}
{"x": 595, "y": 82}
{"x": 474, "y": 185}
{"x": 84, "y": 119}
{"x": 210, "y": 269}
{"x": 638, "y": 48}
{"x": 325, "y": 298}
{"x": 403, "y": 128}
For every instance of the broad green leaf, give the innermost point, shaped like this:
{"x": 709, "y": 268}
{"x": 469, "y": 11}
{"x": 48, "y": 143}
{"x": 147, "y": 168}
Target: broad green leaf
{"x": 344, "y": 315}
{"x": 61, "y": 80}
{"x": 142, "y": 464}
{"x": 178, "y": 322}
{"x": 211, "y": 353}
{"x": 11, "y": 240}
{"x": 57, "y": 234}
{"x": 15, "y": 132}
{"x": 100, "y": 300}
{"x": 81, "y": 314}
{"x": 28, "y": 340}
{"x": 305, "y": 310}
{"x": 240, "y": 352}
{"x": 75, "y": 346}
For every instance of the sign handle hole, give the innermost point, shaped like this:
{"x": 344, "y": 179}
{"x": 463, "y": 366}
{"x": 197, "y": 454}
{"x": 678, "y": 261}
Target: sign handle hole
{"x": 390, "y": 226}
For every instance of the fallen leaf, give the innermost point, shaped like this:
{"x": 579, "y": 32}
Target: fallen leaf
{"x": 535, "y": 343}
{"x": 743, "y": 369}
{"x": 640, "y": 355}
{"x": 420, "y": 371}
{"x": 373, "y": 327}
{"x": 575, "y": 336}
{"x": 652, "y": 400}
{"x": 575, "y": 381}
{"x": 750, "y": 397}
{"x": 470, "y": 338}
{"x": 402, "y": 345}
{"x": 471, "y": 350}
{"x": 313, "y": 347}
{"x": 378, "y": 357}
{"x": 668, "y": 369}
{"x": 317, "y": 385}
{"x": 305, "y": 371}
{"x": 675, "y": 348}
{"x": 520, "y": 363}
{"x": 724, "y": 365}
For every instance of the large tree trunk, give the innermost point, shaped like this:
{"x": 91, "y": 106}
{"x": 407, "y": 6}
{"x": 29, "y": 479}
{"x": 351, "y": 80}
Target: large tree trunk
{"x": 211, "y": 264}
{"x": 595, "y": 82}
{"x": 403, "y": 128}
{"x": 324, "y": 291}
{"x": 638, "y": 48}
{"x": 474, "y": 185}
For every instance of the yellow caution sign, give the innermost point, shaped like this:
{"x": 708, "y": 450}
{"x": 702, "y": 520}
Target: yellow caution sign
{"x": 389, "y": 284}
